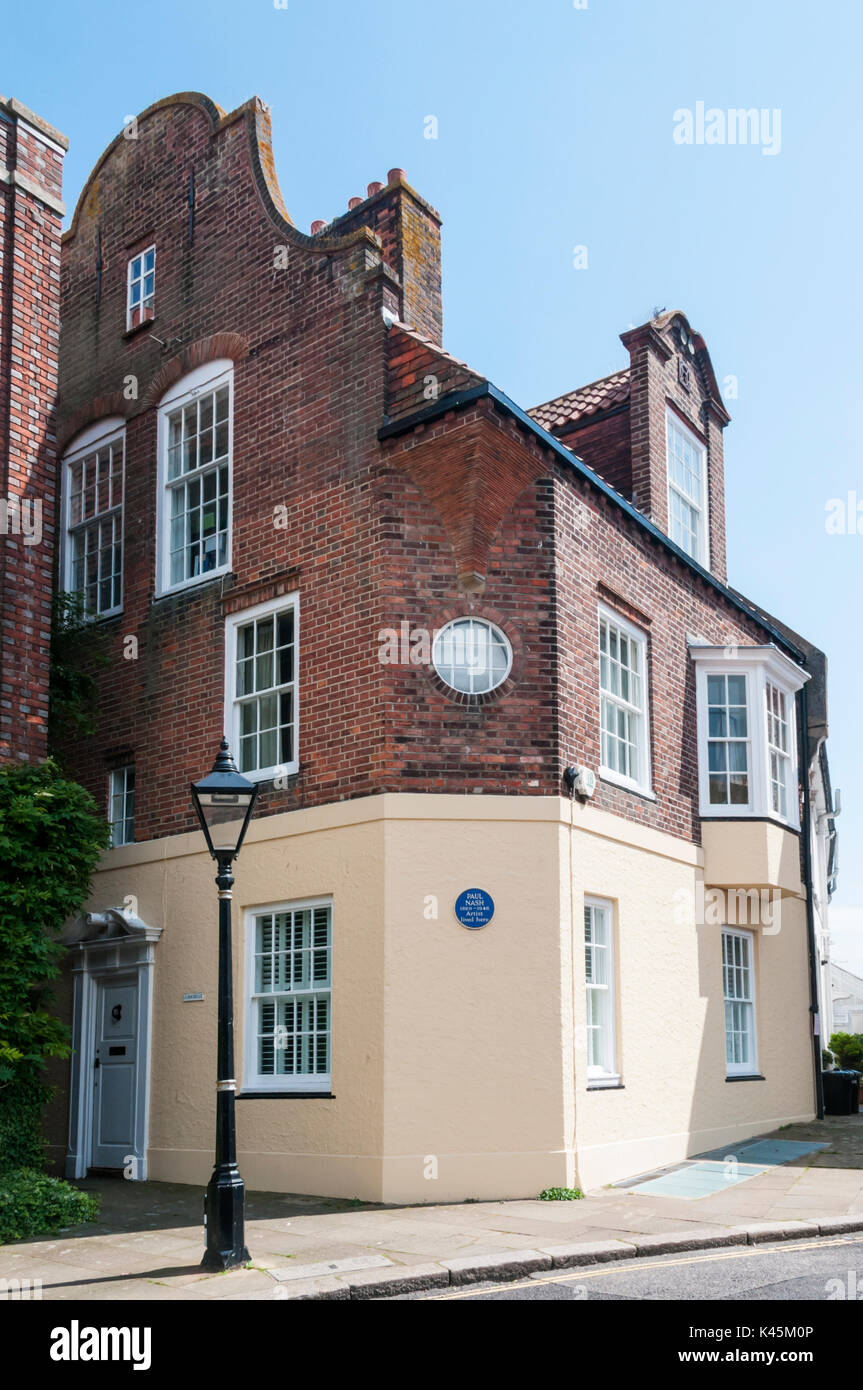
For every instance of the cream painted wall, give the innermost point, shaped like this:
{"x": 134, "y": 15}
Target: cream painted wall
{"x": 290, "y": 1144}
{"x": 675, "y": 1099}
{"x": 459, "y": 1056}
{"x": 474, "y": 1070}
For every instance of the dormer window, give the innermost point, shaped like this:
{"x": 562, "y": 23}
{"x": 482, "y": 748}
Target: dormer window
{"x": 747, "y": 759}
{"x": 141, "y": 288}
{"x": 687, "y": 489}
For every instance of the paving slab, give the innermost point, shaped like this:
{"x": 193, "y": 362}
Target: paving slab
{"x": 149, "y": 1239}
{"x": 284, "y": 1273}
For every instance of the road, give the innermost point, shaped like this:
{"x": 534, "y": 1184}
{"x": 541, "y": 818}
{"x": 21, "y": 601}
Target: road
{"x": 824, "y": 1270}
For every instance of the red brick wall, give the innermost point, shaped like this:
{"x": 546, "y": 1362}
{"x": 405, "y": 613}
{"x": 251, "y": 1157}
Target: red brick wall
{"x": 308, "y": 346}
{"x": 30, "y": 223}
{"x": 656, "y": 356}
{"x": 605, "y": 446}
{"x": 466, "y": 513}
{"x": 560, "y": 551}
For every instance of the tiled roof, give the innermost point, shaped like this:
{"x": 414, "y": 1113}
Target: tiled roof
{"x": 587, "y": 400}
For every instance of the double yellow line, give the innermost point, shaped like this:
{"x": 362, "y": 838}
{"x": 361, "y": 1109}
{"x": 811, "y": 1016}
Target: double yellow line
{"x": 583, "y": 1272}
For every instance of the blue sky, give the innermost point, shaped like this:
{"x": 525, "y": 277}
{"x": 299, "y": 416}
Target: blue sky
{"x": 555, "y": 129}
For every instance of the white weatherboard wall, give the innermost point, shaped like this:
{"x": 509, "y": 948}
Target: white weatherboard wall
{"x": 459, "y": 1055}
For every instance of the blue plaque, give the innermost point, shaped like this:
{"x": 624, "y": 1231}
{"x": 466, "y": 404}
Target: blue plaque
{"x": 474, "y": 908}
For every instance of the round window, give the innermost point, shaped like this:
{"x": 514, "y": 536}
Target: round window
{"x": 472, "y": 655}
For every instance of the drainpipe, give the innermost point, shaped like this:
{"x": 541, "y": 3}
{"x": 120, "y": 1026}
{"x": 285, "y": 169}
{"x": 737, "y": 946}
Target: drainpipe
{"x": 806, "y": 832}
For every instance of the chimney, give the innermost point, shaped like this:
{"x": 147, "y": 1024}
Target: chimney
{"x": 409, "y": 229}
{"x": 31, "y": 215}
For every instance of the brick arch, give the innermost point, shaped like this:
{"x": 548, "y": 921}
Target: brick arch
{"x": 203, "y": 350}
{"x": 100, "y": 408}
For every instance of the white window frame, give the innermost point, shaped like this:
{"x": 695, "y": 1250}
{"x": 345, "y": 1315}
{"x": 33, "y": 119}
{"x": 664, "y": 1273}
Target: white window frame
{"x": 125, "y": 793}
{"x": 201, "y": 381}
{"x": 96, "y": 437}
{"x": 762, "y": 666}
{"x": 642, "y": 782}
{"x": 728, "y": 739}
{"x": 784, "y": 756}
{"x": 132, "y": 279}
{"x": 232, "y": 701}
{"x": 253, "y": 1080}
{"x": 748, "y": 1068}
{"x": 495, "y": 635}
{"x": 673, "y": 421}
{"x": 607, "y": 1074}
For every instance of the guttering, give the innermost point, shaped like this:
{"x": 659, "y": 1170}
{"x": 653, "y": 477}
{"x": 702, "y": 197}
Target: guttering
{"x": 457, "y": 400}
{"x": 806, "y": 841}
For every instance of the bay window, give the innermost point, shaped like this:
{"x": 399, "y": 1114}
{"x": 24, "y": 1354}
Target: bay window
{"x": 747, "y": 737}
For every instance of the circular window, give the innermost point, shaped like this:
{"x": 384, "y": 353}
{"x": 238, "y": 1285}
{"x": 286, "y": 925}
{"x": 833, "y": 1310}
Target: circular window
{"x": 472, "y": 655}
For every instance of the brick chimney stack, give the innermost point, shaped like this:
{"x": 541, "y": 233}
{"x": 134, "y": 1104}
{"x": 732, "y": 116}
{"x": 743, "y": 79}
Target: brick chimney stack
{"x": 409, "y": 229}
{"x": 31, "y": 212}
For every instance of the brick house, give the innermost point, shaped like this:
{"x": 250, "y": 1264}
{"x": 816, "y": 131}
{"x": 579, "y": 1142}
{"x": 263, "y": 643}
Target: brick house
{"x": 31, "y": 214}
{"x": 461, "y": 646}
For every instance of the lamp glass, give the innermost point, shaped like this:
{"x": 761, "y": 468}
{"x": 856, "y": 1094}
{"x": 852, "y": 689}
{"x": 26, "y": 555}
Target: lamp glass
{"x": 224, "y": 813}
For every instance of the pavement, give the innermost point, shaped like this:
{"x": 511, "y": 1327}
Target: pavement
{"x": 148, "y": 1242}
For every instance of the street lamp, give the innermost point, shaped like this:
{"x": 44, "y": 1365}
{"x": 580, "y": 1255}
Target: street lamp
{"x": 223, "y": 802}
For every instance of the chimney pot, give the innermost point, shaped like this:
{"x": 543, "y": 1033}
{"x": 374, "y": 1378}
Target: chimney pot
{"x": 372, "y": 189}
{"x": 353, "y": 203}
{"x": 397, "y": 176}
{"x": 317, "y": 227}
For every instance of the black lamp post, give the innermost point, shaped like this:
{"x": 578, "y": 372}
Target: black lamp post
{"x": 223, "y": 802}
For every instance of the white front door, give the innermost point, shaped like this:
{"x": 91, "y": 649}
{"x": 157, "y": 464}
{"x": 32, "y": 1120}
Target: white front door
{"x": 115, "y": 1072}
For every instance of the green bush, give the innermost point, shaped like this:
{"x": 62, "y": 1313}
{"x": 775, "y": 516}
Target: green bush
{"x": 51, "y": 835}
{"x": 848, "y": 1048}
{"x": 561, "y": 1194}
{"x": 21, "y": 1141}
{"x": 34, "y": 1204}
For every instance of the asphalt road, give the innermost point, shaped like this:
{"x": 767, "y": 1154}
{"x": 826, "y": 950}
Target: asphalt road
{"x": 823, "y": 1270}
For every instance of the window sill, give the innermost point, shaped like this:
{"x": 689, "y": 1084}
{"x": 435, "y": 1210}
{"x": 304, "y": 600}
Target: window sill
{"x": 752, "y": 816}
{"x": 270, "y": 774}
{"x": 605, "y": 1086}
{"x": 749, "y": 1076}
{"x": 615, "y": 780}
{"x": 198, "y": 582}
{"x": 139, "y": 328}
{"x": 285, "y": 1095}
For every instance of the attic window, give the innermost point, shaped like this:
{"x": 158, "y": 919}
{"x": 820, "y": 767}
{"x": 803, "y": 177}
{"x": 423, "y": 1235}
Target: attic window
{"x": 141, "y": 291}
{"x": 687, "y": 490}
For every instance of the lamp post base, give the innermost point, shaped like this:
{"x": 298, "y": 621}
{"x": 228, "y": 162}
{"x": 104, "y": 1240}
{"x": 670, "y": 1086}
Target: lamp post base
{"x": 223, "y": 1215}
